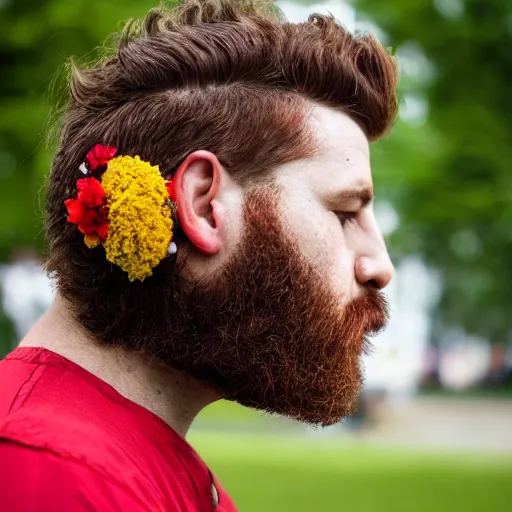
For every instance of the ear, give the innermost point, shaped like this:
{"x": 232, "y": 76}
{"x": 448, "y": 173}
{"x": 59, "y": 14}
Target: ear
{"x": 196, "y": 185}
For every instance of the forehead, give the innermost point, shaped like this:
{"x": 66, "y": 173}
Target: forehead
{"x": 337, "y": 134}
{"x": 342, "y": 159}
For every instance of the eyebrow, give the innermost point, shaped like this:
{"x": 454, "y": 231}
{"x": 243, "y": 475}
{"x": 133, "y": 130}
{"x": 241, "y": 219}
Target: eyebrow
{"x": 364, "y": 195}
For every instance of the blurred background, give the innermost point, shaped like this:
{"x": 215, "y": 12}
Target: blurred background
{"x": 434, "y": 426}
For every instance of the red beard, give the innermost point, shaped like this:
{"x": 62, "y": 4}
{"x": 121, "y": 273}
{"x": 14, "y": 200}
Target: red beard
{"x": 268, "y": 332}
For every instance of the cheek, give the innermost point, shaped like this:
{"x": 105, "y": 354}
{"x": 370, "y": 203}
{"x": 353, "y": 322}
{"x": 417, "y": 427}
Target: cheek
{"x": 339, "y": 258}
{"x": 323, "y": 245}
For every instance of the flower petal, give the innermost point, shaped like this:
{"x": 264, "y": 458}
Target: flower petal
{"x": 90, "y": 192}
{"x": 75, "y": 210}
{"x": 170, "y": 190}
{"x": 92, "y": 223}
{"x": 99, "y": 156}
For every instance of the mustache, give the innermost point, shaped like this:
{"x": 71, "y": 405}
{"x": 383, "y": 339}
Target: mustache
{"x": 371, "y": 311}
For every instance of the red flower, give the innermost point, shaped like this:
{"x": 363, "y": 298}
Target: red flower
{"x": 88, "y": 210}
{"x": 90, "y": 192}
{"x": 99, "y": 156}
{"x": 170, "y": 190}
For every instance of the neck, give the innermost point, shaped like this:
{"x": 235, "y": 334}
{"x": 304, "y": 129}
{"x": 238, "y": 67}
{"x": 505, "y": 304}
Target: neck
{"x": 172, "y": 395}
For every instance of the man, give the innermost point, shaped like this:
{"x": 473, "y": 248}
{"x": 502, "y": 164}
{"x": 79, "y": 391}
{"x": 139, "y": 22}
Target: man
{"x": 272, "y": 281}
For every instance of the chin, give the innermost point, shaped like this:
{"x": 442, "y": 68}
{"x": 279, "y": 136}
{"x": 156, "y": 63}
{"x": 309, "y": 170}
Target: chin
{"x": 315, "y": 405}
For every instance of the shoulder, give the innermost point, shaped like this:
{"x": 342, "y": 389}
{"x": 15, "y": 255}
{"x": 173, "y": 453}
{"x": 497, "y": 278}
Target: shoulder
{"x": 47, "y": 403}
{"x": 59, "y": 440}
{"x": 75, "y": 465}
{"x": 60, "y": 420}
{"x": 35, "y": 479}
{"x": 55, "y": 454}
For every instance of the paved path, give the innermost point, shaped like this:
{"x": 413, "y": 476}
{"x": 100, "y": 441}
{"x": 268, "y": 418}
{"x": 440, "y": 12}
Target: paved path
{"x": 447, "y": 423}
{"x": 422, "y": 423}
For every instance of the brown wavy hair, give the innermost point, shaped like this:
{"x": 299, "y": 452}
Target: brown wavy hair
{"x": 229, "y": 76}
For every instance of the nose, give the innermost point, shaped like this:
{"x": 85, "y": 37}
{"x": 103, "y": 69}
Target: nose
{"x": 374, "y": 269}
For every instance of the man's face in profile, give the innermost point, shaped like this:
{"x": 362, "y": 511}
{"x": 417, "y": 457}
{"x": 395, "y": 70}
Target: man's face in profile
{"x": 282, "y": 324}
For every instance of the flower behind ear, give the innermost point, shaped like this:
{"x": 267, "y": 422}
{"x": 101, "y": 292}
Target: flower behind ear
{"x": 130, "y": 212}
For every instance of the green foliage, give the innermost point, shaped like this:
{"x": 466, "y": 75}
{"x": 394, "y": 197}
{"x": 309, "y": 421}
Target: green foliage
{"x": 450, "y": 179}
{"x": 276, "y": 473}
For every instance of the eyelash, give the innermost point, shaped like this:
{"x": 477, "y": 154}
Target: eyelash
{"x": 346, "y": 217}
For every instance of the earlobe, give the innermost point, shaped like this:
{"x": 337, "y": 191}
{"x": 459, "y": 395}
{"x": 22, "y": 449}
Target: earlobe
{"x": 196, "y": 186}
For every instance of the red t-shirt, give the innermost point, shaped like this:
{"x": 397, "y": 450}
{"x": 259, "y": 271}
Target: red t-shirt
{"x": 69, "y": 441}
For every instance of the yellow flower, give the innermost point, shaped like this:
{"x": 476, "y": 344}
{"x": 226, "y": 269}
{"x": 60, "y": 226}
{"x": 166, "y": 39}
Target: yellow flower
{"x": 140, "y": 223}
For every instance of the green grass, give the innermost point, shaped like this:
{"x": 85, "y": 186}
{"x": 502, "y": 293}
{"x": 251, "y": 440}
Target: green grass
{"x": 299, "y": 474}
{"x": 223, "y": 410}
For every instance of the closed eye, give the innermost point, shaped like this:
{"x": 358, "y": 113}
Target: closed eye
{"x": 346, "y": 217}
